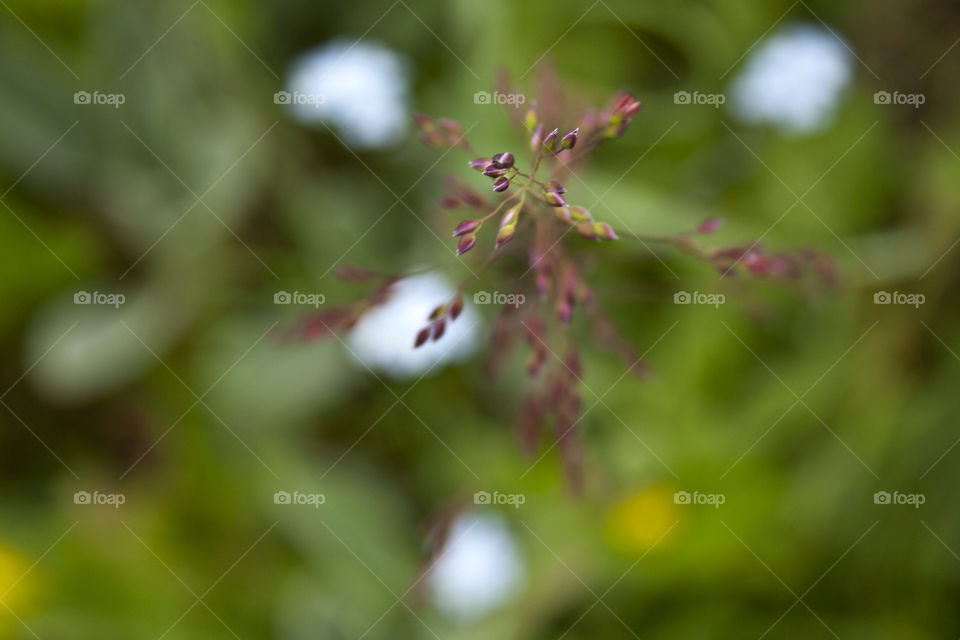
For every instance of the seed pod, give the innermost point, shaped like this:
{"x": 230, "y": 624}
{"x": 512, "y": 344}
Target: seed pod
{"x": 439, "y": 327}
{"x": 585, "y": 229}
{"x": 535, "y": 362}
{"x": 550, "y": 142}
{"x": 510, "y": 216}
{"x": 449, "y": 202}
{"x": 466, "y": 243}
{"x": 501, "y": 184}
{"x": 563, "y": 213}
{"x": 530, "y": 120}
{"x": 631, "y": 109}
{"x": 433, "y": 139}
{"x": 604, "y": 231}
{"x": 456, "y": 308}
{"x": 465, "y": 227}
{"x": 479, "y": 163}
{"x": 493, "y": 171}
{"x": 422, "y": 336}
{"x": 472, "y": 198}
{"x": 505, "y": 235}
{"x": 451, "y": 126}
{"x": 554, "y": 199}
{"x": 543, "y": 284}
{"x": 580, "y": 214}
{"x": 503, "y": 160}
{"x": 424, "y": 122}
{"x": 569, "y": 139}
{"x": 536, "y": 138}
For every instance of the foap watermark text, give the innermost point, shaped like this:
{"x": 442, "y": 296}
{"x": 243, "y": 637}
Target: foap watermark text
{"x": 97, "y": 498}
{"x": 912, "y": 499}
{"x": 495, "y": 297}
{"x": 898, "y": 297}
{"x": 512, "y": 499}
{"x": 299, "y": 298}
{"x": 485, "y": 97}
{"x": 712, "y": 499}
{"x": 696, "y": 297}
{"x": 99, "y": 297}
{"x": 299, "y": 498}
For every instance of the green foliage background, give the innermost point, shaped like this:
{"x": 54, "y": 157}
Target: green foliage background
{"x": 799, "y": 518}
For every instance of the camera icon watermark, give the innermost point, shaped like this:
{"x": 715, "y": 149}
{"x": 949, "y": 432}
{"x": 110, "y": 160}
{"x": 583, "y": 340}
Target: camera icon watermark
{"x": 512, "y": 99}
{"x": 314, "y": 100}
{"x": 696, "y": 98}
{"x": 111, "y": 299}
{"x": 912, "y": 99}
{"x": 712, "y": 499}
{"x": 297, "y": 297}
{"x": 912, "y": 499}
{"x": 112, "y": 99}
{"x": 695, "y": 297}
{"x": 96, "y": 498}
{"x": 298, "y": 498}
{"x": 495, "y": 297}
{"x": 896, "y": 297}
{"x": 512, "y": 499}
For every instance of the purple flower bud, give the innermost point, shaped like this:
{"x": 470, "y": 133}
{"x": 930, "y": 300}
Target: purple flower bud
{"x": 550, "y": 142}
{"x": 631, "y": 109}
{"x": 569, "y": 139}
{"x": 456, "y": 308}
{"x": 501, "y": 184}
{"x": 465, "y": 243}
{"x": 554, "y": 199}
{"x": 465, "y": 227}
{"x": 439, "y": 327}
{"x": 503, "y": 160}
{"x": 422, "y": 336}
{"x": 623, "y": 102}
{"x": 493, "y": 171}
{"x": 479, "y": 164}
{"x": 449, "y": 202}
{"x": 556, "y": 187}
{"x": 472, "y": 198}
{"x": 710, "y": 225}
{"x": 536, "y": 138}
{"x": 510, "y": 217}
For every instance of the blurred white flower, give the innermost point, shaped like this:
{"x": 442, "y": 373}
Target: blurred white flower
{"x": 794, "y": 79}
{"x": 383, "y": 338}
{"x": 479, "y": 569}
{"x": 361, "y": 88}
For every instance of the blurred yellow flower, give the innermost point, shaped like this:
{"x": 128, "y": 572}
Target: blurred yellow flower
{"x": 639, "y": 520}
{"x": 12, "y": 567}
